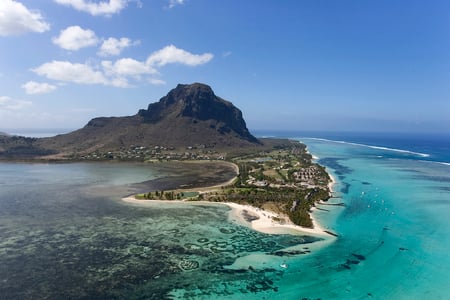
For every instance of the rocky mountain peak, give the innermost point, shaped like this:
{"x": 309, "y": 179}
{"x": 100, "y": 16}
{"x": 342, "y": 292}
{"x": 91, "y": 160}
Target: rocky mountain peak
{"x": 189, "y": 115}
{"x": 198, "y": 102}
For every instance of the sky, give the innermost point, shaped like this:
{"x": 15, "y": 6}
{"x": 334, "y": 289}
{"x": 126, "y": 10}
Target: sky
{"x": 297, "y": 65}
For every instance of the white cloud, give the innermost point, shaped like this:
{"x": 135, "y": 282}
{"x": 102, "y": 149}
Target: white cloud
{"x": 226, "y": 54}
{"x": 120, "y": 82}
{"x": 156, "y": 81}
{"x": 8, "y": 104}
{"x": 15, "y": 19}
{"x": 171, "y": 54}
{"x": 32, "y": 87}
{"x": 123, "y": 70}
{"x": 113, "y": 46}
{"x": 173, "y": 3}
{"x": 139, "y": 3}
{"x": 106, "y": 8}
{"x": 127, "y": 67}
{"x": 83, "y": 73}
{"x": 75, "y": 38}
{"x": 71, "y": 72}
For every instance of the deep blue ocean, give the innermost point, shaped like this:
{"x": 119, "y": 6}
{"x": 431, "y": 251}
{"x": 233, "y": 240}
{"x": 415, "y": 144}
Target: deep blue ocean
{"x": 65, "y": 233}
{"x": 434, "y": 146}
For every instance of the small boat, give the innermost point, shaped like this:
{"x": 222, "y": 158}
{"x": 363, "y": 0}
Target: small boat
{"x": 284, "y": 266}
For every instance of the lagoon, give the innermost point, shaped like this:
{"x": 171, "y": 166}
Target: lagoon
{"x": 65, "y": 233}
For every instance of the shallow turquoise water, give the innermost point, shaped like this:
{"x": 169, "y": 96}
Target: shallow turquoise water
{"x": 65, "y": 234}
{"x": 396, "y": 216}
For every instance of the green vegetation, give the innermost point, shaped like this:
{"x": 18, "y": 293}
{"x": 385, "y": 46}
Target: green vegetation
{"x": 169, "y": 195}
{"x": 283, "y": 179}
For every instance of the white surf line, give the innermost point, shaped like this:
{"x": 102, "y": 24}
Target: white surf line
{"x": 371, "y": 146}
{"x": 314, "y": 157}
{"x": 436, "y": 162}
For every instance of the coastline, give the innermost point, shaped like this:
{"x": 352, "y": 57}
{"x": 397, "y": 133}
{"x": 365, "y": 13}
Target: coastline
{"x": 270, "y": 222}
{"x": 264, "y": 221}
{"x": 273, "y": 223}
{"x": 331, "y": 183}
{"x": 333, "y": 180}
{"x": 256, "y": 218}
{"x": 220, "y": 185}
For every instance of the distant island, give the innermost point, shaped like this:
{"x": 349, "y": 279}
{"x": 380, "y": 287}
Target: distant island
{"x": 190, "y": 124}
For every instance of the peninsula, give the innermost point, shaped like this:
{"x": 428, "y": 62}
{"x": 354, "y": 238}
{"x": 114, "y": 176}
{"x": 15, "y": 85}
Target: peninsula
{"x": 190, "y": 124}
{"x": 282, "y": 179}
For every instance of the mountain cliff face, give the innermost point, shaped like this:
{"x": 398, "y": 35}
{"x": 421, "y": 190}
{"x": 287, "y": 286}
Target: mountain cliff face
{"x": 189, "y": 115}
{"x": 198, "y": 103}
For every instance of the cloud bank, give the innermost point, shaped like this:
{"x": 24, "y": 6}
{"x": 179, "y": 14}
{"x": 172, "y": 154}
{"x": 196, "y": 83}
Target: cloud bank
{"x": 120, "y": 72}
{"x": 71, "y": 72}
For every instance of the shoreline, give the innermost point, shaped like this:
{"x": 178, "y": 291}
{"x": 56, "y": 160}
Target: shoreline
{"x": 220, "y": 185}
{"x": 331, "y": 183}
{"x": 265, "y": 221}
{"x": 261, "y": 220}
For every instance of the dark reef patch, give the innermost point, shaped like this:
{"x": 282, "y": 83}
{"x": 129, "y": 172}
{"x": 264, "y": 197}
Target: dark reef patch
{"x": 345, "y": 187}
{"x": 333, "y": 163}
{"x": 359, "y": 256}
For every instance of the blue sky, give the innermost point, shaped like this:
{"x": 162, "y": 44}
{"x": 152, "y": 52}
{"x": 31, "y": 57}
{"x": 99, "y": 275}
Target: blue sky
{"x": 288, "y": 65}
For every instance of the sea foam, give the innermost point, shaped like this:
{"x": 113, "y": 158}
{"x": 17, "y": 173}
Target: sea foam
{"x": 373, "y": 147}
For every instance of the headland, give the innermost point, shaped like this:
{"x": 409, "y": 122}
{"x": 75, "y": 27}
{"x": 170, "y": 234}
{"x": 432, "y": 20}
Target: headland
{"x": 274, "y": 191}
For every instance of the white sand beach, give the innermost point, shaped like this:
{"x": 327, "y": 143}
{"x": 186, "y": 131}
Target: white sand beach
{"x": 266, "y": 221}
{"x": 332, "y": 183}
{"x": 270, "y": 222}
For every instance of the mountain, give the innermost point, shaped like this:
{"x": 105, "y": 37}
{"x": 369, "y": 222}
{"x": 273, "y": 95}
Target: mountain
{"x": 189, "y": 115}
{"x": 197, "y": 104}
